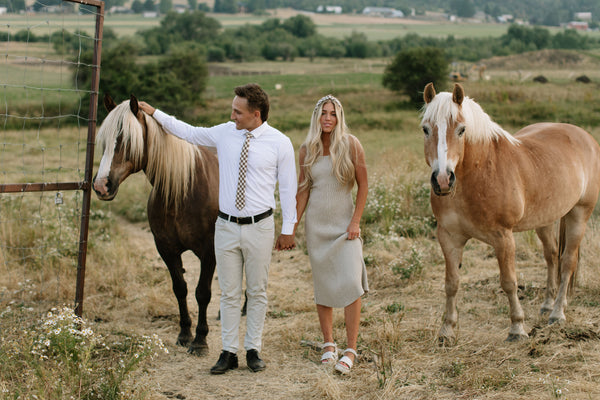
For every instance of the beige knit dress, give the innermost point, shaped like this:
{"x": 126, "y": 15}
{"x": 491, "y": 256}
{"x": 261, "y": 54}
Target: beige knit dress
{"x": 338, "y": 267}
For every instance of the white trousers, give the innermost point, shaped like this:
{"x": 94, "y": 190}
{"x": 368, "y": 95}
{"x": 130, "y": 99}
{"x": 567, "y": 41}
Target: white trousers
{"x": 238, "y": 247}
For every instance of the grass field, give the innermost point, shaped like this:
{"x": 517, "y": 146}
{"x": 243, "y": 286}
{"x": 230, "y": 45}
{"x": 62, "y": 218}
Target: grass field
{"x": 128, "y": 290}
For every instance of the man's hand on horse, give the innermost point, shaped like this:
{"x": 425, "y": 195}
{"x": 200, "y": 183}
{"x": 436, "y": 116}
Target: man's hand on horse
{"x": 147, "y": 108}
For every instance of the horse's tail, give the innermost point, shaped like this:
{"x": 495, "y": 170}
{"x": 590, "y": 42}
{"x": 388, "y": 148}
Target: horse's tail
{"x": 561, "y": 249}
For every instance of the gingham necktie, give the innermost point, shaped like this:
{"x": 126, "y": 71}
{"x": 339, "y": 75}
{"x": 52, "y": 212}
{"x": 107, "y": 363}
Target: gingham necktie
{"x": 240, "y": 196}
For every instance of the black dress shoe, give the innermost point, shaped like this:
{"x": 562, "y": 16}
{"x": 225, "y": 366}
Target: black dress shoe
{"x": 254, "y": 362}
{"x": 227, "y": 361}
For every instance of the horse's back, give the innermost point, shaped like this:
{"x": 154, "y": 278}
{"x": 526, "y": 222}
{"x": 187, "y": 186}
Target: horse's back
{"x": 561, "y": 146}
{"x": 562, "y": 167}
{"x": 556, "y": 131}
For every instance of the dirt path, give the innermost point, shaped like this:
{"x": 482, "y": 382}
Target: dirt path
{"x": 178, "y": 375}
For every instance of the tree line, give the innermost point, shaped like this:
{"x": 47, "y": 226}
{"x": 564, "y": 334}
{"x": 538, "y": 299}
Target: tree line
{"x": 297, "y": 36}
{"x": 184, "y": 43}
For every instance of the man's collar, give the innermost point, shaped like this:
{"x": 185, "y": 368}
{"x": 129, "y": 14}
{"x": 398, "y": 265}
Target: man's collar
{"x": 258, "y": 130}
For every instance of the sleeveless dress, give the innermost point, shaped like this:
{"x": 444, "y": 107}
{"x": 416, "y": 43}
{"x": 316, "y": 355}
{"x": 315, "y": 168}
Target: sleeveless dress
{"x": 338, "y": 267}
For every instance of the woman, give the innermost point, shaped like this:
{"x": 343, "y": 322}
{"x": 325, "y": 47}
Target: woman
{"x": 331, "y": 161}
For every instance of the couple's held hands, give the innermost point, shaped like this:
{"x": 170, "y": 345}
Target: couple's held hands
{"x": 147, "y": 108}
{"x": 285, "y": 242}
{"x": 353, "y": 230}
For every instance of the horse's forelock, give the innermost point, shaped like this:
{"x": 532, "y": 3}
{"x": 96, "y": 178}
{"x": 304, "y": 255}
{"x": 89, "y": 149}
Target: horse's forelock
{"x": 479, "y": 127}
{"x": 440, "y": 109}
{"x": 121, "y": 122}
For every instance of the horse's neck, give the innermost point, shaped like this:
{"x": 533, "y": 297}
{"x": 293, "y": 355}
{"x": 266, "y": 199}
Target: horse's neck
{"x": 482, "y": 155}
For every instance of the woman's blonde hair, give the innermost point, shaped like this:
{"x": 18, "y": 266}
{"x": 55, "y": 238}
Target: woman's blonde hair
{"x": 339, "y": 147}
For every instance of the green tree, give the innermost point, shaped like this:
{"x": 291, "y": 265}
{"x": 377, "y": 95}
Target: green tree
{"x": 300, "y": 26}
{"x": 193, "y": 5}
{"x": 569, "y": 39}
{"x": 118, "y": 73}
{"x": 357, "y": 45}
{"x": 462, "y": 8}
{"x": 174, "y": 28}
{"x": 536, "y": 36}
{"x": 137, "y": 6}
{"x": 190, "y": 26}
{"x": 13, "y": 6}
{"x": 225, "y": 6}
{"x": 165, "y": 6}
{"x": 255, "y": 5}
{"x": 176, "y": 82}
{"x": 149, "y": 5}
{"x": 413, "y": 68}
{"x": 39, "y": 6}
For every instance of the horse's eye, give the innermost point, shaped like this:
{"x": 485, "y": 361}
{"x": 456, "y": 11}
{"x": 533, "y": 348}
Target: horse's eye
{"x": 460, "y": 131}
{"x": 425, "y": 130}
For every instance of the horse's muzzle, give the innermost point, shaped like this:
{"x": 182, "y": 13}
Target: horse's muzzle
{"x": 448, "y": 183}
{"x": 104, "y": 189}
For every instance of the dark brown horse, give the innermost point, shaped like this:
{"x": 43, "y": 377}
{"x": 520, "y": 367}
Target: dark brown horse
{"x": 183, "y": 203}
{"x": 487, "y": 184}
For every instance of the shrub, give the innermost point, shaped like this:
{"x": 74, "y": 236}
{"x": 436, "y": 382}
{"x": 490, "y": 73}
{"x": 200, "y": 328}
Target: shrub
{"x": 59, "y": 356}
{"x": 413, "y": 68}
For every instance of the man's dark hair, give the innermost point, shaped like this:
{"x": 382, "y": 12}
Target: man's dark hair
{"x": 257, "y": 98}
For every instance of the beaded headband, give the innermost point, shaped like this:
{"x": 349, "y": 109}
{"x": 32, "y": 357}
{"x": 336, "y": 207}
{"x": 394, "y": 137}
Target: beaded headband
{"x": 325, "y": 99}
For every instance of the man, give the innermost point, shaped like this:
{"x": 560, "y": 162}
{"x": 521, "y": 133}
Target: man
{"x": 253, "y": 157}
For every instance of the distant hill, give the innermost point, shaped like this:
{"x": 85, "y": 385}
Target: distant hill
{"x": 544, "y": 59}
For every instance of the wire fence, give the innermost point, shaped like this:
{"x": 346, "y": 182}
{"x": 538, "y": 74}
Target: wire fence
{"x": 48, "y": 124}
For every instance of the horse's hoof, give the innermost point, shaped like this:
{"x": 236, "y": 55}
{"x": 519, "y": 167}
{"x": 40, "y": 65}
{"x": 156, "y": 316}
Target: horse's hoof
{"x": 183, "y": 341}
{"x": 198, "y": 350}
{"x": 545, "y": 311}
{"x": 554, "y": 320}
{"x": 445, "y": 341}
{"x": 515, "y": 337}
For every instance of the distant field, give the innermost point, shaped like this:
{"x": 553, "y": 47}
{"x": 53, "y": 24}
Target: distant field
{"x": 328, "y": 25}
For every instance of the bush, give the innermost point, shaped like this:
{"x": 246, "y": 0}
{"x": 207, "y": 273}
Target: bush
{"x": 176, "y": 82}
{"x": 413, "y": 68}
{"x": 59, "y": 356}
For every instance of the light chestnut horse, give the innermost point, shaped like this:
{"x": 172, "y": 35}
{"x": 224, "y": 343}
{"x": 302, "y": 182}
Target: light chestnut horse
{"x": 487, "y": 184}
{"x": 182, "y": 206}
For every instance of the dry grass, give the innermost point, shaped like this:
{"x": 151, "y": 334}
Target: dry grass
{"x": 128, "y": 290}
{"x": 400, "y": 356}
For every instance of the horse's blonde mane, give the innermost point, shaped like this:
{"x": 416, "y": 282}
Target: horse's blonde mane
{"x": 479, "y": 127}
{"x": 171, "y": 161}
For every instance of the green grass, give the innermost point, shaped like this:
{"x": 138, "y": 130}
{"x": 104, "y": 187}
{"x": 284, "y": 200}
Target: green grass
{"x": 438, "y": 29}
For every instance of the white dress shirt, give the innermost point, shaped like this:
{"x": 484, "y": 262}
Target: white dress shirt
{"x": 270, "y": 159}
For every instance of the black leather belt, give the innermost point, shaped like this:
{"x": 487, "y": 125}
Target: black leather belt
{"x": 246, "y": 220}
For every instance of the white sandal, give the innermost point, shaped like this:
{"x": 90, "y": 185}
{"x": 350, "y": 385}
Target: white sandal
{"x": 344, "y": 365}
{"x": 329, "y": 357}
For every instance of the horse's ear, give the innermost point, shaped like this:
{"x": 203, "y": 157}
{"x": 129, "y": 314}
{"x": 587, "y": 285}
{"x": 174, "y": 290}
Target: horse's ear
{"x": 133, "y": 105}
{"x": 109, "y": 103}
{"x": 429, "y": 93}
{"x": 458, "y": 95}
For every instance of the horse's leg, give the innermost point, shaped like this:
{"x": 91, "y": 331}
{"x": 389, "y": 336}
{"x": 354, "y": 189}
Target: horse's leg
{"x": 547, "y": 235}
{"x": 199, "y": 346}
{"x": 575, "y": 224}
{"x": 452, "y": 246}
{"x": 175, "y": 266}
{"x": 505, "y": 252}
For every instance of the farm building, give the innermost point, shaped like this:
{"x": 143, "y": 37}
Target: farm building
{"x": 383, "y": 12}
